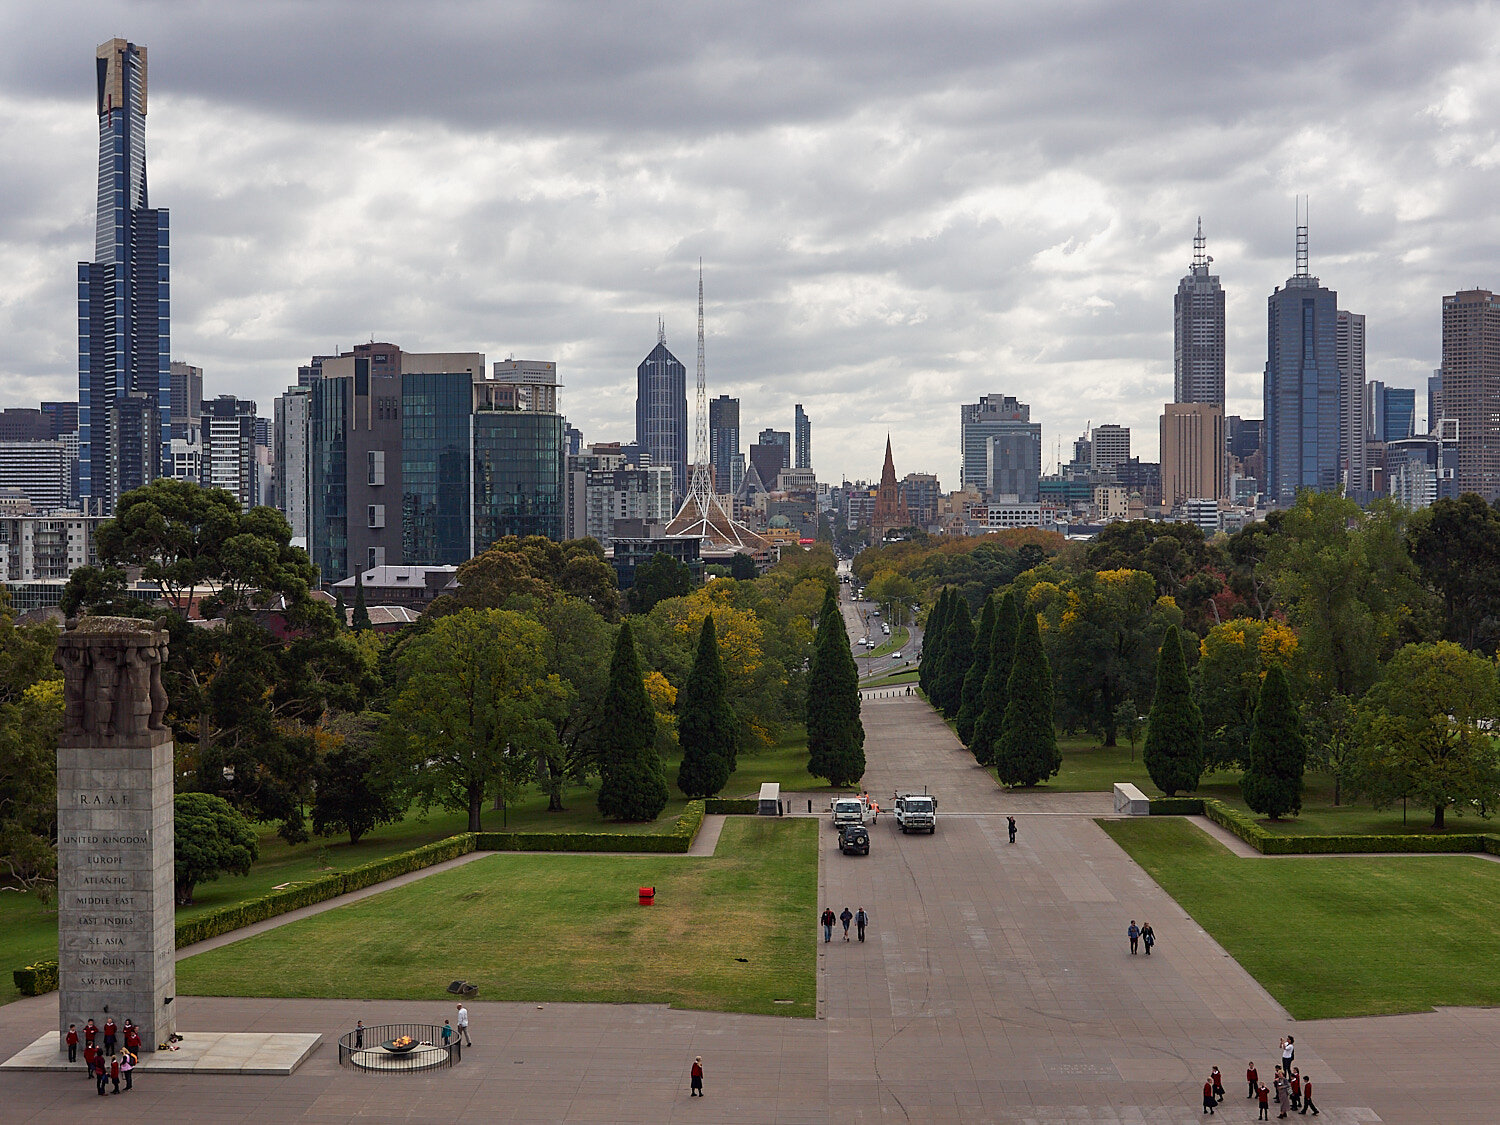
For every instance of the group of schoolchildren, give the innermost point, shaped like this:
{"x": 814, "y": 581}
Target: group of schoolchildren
{"x": 106, "y": 1064}
{"x": 1290, "y": 1089}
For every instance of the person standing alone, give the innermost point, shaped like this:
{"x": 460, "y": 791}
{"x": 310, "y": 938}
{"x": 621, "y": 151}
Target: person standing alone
{"x": 1252, "y": 1076}
{"x": 463, "y": 1025}
{"x": 1011, "y": 822}
{"x": 72, "y": 1042}
{"x": 696, "y": 1083}
{"x": 861, "y": 920}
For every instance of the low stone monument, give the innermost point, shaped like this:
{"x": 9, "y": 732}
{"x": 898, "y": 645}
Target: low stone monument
{"x": 115, "y": 921}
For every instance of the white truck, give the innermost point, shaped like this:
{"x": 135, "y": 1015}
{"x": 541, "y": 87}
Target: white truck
{"x": 916, "y": 812}
{"x": 846, "y": 811}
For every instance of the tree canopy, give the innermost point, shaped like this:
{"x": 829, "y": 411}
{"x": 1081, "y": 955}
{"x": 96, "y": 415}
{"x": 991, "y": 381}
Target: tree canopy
{"x": 835, "y": 734}
{"x": 210, "y": 840}
{"x": 1174, "y": 734}
{"x": 632, "y": 784}
{"x": 706, "y": 727}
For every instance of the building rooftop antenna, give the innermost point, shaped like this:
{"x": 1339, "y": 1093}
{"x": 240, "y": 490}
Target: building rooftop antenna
{"x": 661, "y": 331}
{"x": 1302, "y": 270}
{"x": 1199, "y": 261}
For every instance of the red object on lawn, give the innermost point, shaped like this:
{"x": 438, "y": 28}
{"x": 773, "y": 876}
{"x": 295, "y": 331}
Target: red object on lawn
{"x": 648, "y": 895}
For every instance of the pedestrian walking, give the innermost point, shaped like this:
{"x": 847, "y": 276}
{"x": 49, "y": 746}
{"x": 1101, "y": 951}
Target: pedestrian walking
{"x": 114, "y": 1074}
{"x": 1010, "y": 823}
{"x": 846, "y": 917}
{"x": 359, "y": 1035}
{"x": 128, "y": 1061}
{"x": 1265, "y": 1102}
{"x": 1253, "y": 1077}
{"x": 696, "y": 1085}
{"x": 1208, "y": 1096}
{"x": 1218, "y": 1080}
{"x": 111, "y": 1036}
{"x": 1307, "y": 1102}
{"x": 828, "y": 919}
{"x": 1134, "y": 933}
{"x": 72, "y": 1042}
{"x": 1148, "y": 937}
{"x": 1296, "y": 1082}
{"x": 861, "y": 920}
{"x": 101, "y": 1072}
{"x": 463, "y": 1025}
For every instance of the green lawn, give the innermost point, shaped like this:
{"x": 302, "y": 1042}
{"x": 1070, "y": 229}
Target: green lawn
{"x": 895, "y": 643}
{"x": 1333, "y": 937}
{"x": 907, "y": 677}
{"x": 562, "y": 928}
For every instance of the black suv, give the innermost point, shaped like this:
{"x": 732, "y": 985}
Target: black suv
{"x": 854, "y": 840}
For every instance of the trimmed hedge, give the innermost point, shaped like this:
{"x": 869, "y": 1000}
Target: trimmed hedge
{"x": 679, "y": 840}
{"x": 732, "y": 806}
{"x": 1176, "y": 806}
{"x": 34, "y": 980}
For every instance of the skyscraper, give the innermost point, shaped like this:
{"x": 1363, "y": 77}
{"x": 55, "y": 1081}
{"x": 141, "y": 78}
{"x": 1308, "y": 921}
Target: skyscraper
{"x": 228, "y": 457}
{"x": 519, "y": 441}
{"x": 1393, "y": 412}
{"x": 1108, "y": 446}
{"x": 124, "y": 363}
{"x": 1434, "y": 400}
{"x": 187, "y": 399}
{"x": 1353, "y": 403}
{"x": 724, "y": 444}
{"x": 1471, "y": 386}
{"x": 1301, "y": 390}
{"x": 1198, "y": 332}
{"x": 802, "y": 441}
{"x": 771, "y": 453}
{"x": 1192, "y": 453}
{"x": 661, "y": 413}
{"x": 1001, "y": 448}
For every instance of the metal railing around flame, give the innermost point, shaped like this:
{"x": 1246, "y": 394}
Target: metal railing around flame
{"x": 395, "y": 1048}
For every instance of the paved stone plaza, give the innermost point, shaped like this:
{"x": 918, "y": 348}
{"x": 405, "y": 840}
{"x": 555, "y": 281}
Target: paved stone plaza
{"x": 995, "y": 986}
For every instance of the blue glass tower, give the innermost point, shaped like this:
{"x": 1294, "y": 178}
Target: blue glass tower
{"x": 661, "y": 415}
{"x": 124, "y": 315}
{"x": 1303, "y": 390}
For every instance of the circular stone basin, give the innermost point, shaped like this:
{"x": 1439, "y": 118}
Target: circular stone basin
{"x": 420, "y": 1057}
{"x": 401, "y": 1048}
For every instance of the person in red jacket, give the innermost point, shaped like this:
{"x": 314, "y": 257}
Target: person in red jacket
{"x": 1265, "y": 1102}
{"x": 1218, "y": 1081}
{"x": 696, "y": 1075}
{"x": 132, "y": 1037}
{"x": 1252, "y": 1076}
{"x": 72, "y": 1042}
{"x": 1209, "y": 1101}
{"x": 1307, "y": 1102}
{"x": 89, "y": 1051}
{"x": 90, "y": 1030}
{"x": 1296, "y": 1088}
{"x": 111, "y": 1036}
{"x": 114, "y": 1073}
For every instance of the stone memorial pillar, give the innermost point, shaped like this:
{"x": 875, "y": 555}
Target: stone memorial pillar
{"x": 117, "y": 950}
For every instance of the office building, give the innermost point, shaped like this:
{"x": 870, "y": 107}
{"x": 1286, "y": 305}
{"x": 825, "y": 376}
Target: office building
{"x": 771, "y": 453}
{"x": 62, "y": 417}
{"x": 519, "y": 443}
{"x": 661, "y": 414}
{"x": 1141, "y": 478}
{"x": 41, "y": 548}
{"x": 289, "y": 430}
{"x": 1108, "y": 446}
{"x": 1354, "y": 421}
{"x": 1434, "y": 400}
{"x": 42, "y": 471}
{"x": 921, "y": 492}
{"x": 1192, "y": 453}
{"x": 1422, "y": 470}
{"x": 436, "y": 454}
{"x": 22, "y": 423}
{"x": 124, "y": 364}
{"x": 1001, "y": 448}
{"x": 1301, "y": 391}
{"x": 1471, "y": 387}
{"x": 802, "y": 441}
{"x": 228, "y": 449}
{"x": 1393, "y": 412}
{"x": 625, "y": 494}
{"x": 1198, "y": 332}
{"x": 187, "y": 398}
{"x": 724, "y": 444}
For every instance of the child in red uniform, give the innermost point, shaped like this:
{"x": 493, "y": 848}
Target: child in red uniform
{"x": 1252, "y": 1077}
{"x": 109, "y": 1036}
{"x": 1208, "y": 1096}
{"x": 114, "y": 1073}
{"x": 1264, "y": 1094}
{"x": 1296, "y": 1088}
{"x": 1218, "y": 1081}
{"x": 89, "y": 1051}
{"x": 90, "y": 1030}
{"x": 72, "y": 1042}
{"x": 1307, "y": 1102}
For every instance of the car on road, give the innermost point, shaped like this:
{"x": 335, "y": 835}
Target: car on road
{"x": 895, "y": 656}
{"x": 854, "y": 840}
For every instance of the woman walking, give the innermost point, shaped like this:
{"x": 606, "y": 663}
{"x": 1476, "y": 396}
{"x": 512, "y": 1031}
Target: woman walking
{"x": 696, "y": 1085}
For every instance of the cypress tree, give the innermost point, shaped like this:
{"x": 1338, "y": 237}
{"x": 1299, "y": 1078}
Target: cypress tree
{"x": 932, "y": 643}
{"x": 339, "y": 611}
{"x": 1272, "y": 784}
{"x": 968, "y": 708}
{"x": 996, "y": 692}
{"x": 632, "y": 782}
{"x": 835, "y": 735}
{"x": 958, "y": 653}
{"x": 1174, "y": 738}
{"x": 361, "y": 614}
{"x": 1027, "y": 750}
{"x": 706, "y": 727}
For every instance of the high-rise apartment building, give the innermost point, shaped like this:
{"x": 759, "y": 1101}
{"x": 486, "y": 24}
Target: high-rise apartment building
{"x": 519, "y": 453}
{"x": 289, "y": 438}
{"x": 1354, "y": 407}
{"x": 1471, "y": 387}
{"x": 42, "y": 470}
{"x": 124, "y": 361}
{"x": 1192, "y": 453}
{"x": 724, "y": 444}
{"x": 1198, "y": 332}
{"x": 228, "y": 444}
{"x": 802, "y": 441}
{"x": 1434, "y": 400}
{"x": 661, "y": 413}
{"x": 187, "y": 398}
{"x": 1001, "y": 448}
{"x": 1303, "y": 403}
{"x": 1108, "y": 446}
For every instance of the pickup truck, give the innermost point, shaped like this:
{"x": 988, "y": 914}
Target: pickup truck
{"x": 847, "y": 810}
{"x": 916, "y": 812}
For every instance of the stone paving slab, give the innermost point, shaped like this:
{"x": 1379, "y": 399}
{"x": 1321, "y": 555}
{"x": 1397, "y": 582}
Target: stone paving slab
{"x": 266, "y": 1053}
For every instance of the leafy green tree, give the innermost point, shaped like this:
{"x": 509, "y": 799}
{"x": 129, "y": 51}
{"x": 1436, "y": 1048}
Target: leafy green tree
{"x": 1130, "y": 723}
{"x": 1330, "y": 727}
{"x": 358, "y": 781}
{"x": 361, "y": 620}
{"x": 979, "y": 666}
{"x": 1272, "y": 781}
{"x": 958, "y": 654}
{"x": 893, "y": 593}
{"x": 535, "y": 568}
{"x": 210, "y": 839}
{"x": 932, "y": 642}
{"x": 1174, "y": 736}
{"x": 835, "y": 735}
{"x": 659, "y": 578}
{"x": 28, "y": 783}
{"x": 994, "y": 697}
{"x": 476, "y": 705}
{"x": 742, "y": 567}
{"x": 633, "y": 784}
{"x": 706, "y": 727}
{"x": 1426, "y": 731}
{"x": 579, "y": 641}
{"x": 340, "y": 612}
{"x": 1027, "y": 751}
{"x": 1456, "y": 546}
{"x": 1227, "y": 682}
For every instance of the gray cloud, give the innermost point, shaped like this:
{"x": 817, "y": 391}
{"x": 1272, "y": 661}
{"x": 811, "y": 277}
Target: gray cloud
{"x": 900, "y": 206}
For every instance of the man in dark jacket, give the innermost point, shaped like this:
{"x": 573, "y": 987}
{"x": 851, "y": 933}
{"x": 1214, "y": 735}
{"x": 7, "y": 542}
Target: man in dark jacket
{"x": 828, "y": 919}
{"x": 846, "y": 917}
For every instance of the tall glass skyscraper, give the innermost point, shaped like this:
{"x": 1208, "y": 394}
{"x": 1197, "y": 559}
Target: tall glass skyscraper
{"x": 1198, "y": 332}
{"x": 435, "y": 485}
{"x": 724, "y": 444}
{"x": 661, "y": 414}
{"x": 802, "y": 440}
{"x": 1303, "y": 396}
{"x": 124, "y": 314}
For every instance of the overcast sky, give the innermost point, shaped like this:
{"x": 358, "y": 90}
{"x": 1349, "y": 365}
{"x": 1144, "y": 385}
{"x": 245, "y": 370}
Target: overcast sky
{"x": 899, "y": 207}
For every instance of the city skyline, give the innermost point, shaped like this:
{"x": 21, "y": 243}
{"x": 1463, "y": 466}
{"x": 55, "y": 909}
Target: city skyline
{"x": 1038, "y": 262}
